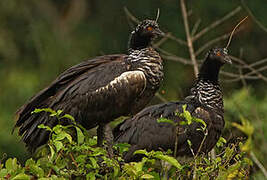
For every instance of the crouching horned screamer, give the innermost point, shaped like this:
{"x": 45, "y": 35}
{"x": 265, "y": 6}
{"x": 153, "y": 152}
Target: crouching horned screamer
{"x": 98, "y": 90}
{"x": 205, "y": 101}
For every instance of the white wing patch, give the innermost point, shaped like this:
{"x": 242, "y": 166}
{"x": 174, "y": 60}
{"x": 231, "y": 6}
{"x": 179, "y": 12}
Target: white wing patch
{"x": 124, "y": 78}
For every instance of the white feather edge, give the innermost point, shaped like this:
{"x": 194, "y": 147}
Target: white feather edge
{"x": 124, "y": 77}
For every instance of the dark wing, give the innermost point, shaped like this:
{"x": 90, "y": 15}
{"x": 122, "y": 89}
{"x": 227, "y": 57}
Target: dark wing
{"x": 144, "y": 132}
{"x": 61, "y": 82}
{"x": 89, "y": 91}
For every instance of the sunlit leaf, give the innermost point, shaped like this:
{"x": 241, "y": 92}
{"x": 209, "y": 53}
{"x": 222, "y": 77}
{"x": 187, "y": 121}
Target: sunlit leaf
{"x": 80, "y": 136}
{"x": 147, "y": 176}
{"x": 165, "y": 120}
{"x": 21, "y": 176}
{"x": 170, "y": 160}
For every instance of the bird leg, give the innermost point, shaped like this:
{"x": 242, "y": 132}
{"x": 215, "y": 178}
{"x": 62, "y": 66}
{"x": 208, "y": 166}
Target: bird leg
{"x": 104, "y": 132}
{"x": 100, "y": 135}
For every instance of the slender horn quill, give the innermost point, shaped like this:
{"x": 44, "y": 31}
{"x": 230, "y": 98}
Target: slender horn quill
{"x": 232, "y": 33}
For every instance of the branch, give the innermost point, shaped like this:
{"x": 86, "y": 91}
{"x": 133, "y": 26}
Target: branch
{"x": 216, "y": 23}
{"x": 213, "y": 41}
{"x": 254, "y": 158}
{"x": 189, "y": 38}
{"x": 249, "y": 67}
{"x": 258, "y": 62}
{"x": 195, "y": 27}
{"x": 161, "y": 41}
{"x": 172, "y": 57}
{"x": 180, "y": 41}
{"x": 131, "y": 16}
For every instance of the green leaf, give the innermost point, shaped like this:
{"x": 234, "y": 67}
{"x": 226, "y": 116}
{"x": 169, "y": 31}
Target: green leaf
{"x": 68, "y": 117}
{"x": 52, "y": 152}
{"x": 62, "y": 135}
{"x": 34, "y": 168}
{"x": 165, "y": 120}
{"x": 200, "y": 121}
{"x": 147, "y": 176}
{"x": 170, "y": 160}
{"x": 189, "y": 142}
{"x": 59, "y": 112}
{"x": 94, "y": 162}
{"x": 246, "y": 127}
{"x": 21, "y": 176}
{"x": 80, "y": 136}
{"x": 11, "y": 164}
{"x": 42, "y": 126}
{"x": 139, "y": 165}
{"x": 43, "y": 110}
{"x": 220, "y": 142}
{"x": 123, "y": 147}
{"x": 141, "y": 151}
{"x": 58, "y": 145}
{"x": 91, "y": 176}
{"x": 3, "y": 173}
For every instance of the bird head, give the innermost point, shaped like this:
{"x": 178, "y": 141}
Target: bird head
{"x": 144, "y": 33}
{"x": 220, "y": 55}
{"x": 149, "y": 28}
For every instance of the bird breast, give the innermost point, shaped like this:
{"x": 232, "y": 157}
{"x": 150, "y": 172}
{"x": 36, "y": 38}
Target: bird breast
{"x": 148, "y": 61}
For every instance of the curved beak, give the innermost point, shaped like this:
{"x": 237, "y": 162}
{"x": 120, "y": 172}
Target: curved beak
{"x": 228, "y": 59}
{"x": 158, "y": 32}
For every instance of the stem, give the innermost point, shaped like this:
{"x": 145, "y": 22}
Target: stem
{"x": 73, "y": 160}
{"x": 254, "y": 158}
{"x": 202, "y": 142}
{"x": 176, "y": 140}
{"x": 189, "y": 38}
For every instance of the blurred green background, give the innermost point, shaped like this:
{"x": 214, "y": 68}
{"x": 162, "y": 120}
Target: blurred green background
{"x": 40, "y": 39}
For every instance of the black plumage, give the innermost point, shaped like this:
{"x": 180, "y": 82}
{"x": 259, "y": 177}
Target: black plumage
{"x": 205, "y": 102}
{"x": 98, "y": 90}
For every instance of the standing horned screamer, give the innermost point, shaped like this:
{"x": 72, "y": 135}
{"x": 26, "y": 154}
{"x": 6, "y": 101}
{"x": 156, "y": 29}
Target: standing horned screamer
{"x": 205, "y": 101}
{"x": 98, "y": 90}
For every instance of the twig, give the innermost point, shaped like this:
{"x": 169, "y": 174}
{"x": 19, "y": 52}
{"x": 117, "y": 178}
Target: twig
{"x": 213, "y": 154}
{"x": 176, "y": 140}
{"x": 73, "y": 160}
{"x": 251, "y": 68}
{"x": 253, "y": 17}
{"x": 178, "y": 40}
{"x": 202, "y": 142}
{"x": 258, "y": 62}
{"x": 216, "y": 23}
{"x": 247, "y": 75}
{"x": 258, "y": 70}
{"x": 177, "y": 59}
{"x": 195, "y": 27}
{"x": 243, "y": 80}
{"x": 189, "y": 38}
{"x": 49, "y": 172}
{"x": 170, "y": 56}
{"x": 211, "y": 42}
{"x": 131, "y": 16}
{"x": 254, "y": 158}
{"x": 160, "y": 42}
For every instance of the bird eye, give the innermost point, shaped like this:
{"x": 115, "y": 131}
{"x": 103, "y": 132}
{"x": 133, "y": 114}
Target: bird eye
{"x": 149, "y": 28}
{"x": 218, "y": 53}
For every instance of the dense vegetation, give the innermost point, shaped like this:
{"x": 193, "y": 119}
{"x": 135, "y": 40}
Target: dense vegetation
{"x": 76, "y": 156}
{"x": 39, "y": 39}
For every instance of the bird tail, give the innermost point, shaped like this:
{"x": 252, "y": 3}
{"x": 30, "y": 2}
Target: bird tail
{"x": 33, "y": 136}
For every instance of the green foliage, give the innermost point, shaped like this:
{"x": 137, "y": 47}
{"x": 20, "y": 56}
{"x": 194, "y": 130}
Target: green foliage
{"x": 72, "y": 154}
